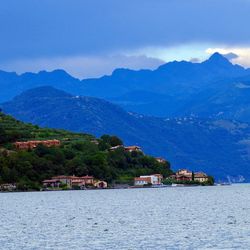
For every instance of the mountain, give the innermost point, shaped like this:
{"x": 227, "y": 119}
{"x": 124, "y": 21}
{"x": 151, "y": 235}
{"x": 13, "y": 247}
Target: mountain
{"x": 217, "y": 146}
{"x": 214, "y": 88}
{"x": 12, "y": 84}
{"x": 169, "y": 79}
{"x": 229, "y": 100}
{"x": 175, "y": 89}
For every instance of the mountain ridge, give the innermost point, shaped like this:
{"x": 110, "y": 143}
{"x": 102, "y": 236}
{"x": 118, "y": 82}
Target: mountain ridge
{"x": 121, "y": 80}
{"x": 218, "y": 147}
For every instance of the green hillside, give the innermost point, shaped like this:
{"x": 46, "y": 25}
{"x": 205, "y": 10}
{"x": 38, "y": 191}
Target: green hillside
{"x": 12, "y": 130}
{"x": 79, "y": 154}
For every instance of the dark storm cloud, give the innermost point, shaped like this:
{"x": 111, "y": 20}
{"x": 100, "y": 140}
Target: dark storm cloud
{"x": 49, "y": 28}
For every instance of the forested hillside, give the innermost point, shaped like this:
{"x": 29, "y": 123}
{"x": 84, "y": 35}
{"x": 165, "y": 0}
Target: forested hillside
{"x": 78, "y": 154}
{"x": 216, "y": 146}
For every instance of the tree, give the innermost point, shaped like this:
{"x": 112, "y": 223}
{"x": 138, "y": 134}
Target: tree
{"x": 3, "y": 137}
{"x": 111, "y": 140}
{"x": 210, "y": 180}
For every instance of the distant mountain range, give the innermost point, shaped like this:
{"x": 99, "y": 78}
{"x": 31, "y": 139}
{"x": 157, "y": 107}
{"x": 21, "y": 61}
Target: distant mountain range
{"x": 217, "y": 146}
{"x": 12, "y": 84}
{"x": 214, "y": 88}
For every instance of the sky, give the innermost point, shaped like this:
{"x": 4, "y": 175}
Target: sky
{"x": 90, "y": 38}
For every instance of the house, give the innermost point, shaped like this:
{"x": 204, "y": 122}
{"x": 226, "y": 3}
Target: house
{"x": 22, "y": 145}
{"x": 63, "y": 179}
{"x": 96, "y": 142}
{"x": 8, "y": 187}
{"x": 74, "y": 181}
{"x": 160, "y": 159}
{"x": 116, "y": 147}
{"x": 128, "y": 148}
{"x": 133, "y": 149}
{"x": 141, "y": 181}
{"x": 155, "y": 179}
{"x": 33, "y": 144}
{"x": 183, "y": 175}
{"x": 89, "y": 180}
{"x": 183, "y": 178}
{"x": 51, "y": 183}
{"x": 186, "y": 175}
{"x": 158, "y": 179}
{"x": 101, "y": 184}
{"x": 200, "y": 177}
{"x": 185, "y": 172}
{"x": 77, "y": 181}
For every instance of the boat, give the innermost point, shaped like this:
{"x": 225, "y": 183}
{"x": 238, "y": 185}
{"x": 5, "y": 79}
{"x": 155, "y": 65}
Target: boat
{"x": 223, "y": 184}
{"x": 177, "y": 185}
{"x": 160, "y": 186}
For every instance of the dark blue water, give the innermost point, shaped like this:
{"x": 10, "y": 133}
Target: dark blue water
{"x": 169, "y": 218}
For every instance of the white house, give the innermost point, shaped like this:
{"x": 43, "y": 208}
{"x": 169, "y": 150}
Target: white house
{"x": 154, "y": 179}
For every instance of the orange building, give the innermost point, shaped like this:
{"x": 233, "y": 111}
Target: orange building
{"x": 183, "y": 175}
{"x": 33, "y": 144}
{"x": 133, "y": 148}
{"x": 75, "y": 180}
{"x": 89, "y": 180}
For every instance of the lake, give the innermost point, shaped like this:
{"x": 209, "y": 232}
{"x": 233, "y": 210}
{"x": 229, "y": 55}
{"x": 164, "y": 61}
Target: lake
{"x": 168, "y": 218}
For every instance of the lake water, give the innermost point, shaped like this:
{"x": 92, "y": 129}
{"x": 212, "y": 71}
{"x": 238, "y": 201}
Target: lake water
{"x": 169, "y": 218}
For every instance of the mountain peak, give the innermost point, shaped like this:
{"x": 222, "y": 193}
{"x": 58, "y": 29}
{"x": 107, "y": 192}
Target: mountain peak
{"x": 218, "y": 58}
{"x": 43, "y": 92}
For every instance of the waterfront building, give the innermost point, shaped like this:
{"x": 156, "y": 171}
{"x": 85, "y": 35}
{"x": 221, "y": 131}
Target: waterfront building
{"x": 89, "y": 180}
{"x": 155, "y": 179}
{"x": 141, "y": 181}
{"x": 183, "y": 175}
{"x": 67, "y": 180}
{"x": 186, "y": 175}
{"x": 200, "y": 177}
{"x": 51, "y": 183}
{"x": 101, "y": 184}
{"x": 8, "y": 187}
{"x": 74, "y": 181}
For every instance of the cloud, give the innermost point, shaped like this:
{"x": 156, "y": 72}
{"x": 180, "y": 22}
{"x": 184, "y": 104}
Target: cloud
{"x": 36, "y": 29}
{"x": 230, "y": 56}
{"x": 83, "y": 66}
{"x": 195, "y": 60}
{"x": 237, "y": 55}
{"x": 146, "y": 58}
{"x": 92, "y": 37}
{"x": 171, "y": 53}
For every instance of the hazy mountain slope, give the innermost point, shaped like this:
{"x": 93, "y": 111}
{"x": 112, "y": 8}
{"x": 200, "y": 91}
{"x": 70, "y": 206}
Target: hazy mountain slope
{"x": 174, "y": 89}
{"x": 170, "y": 79}
{"x": 12, "y": 84}
{"x": 218, "y": 147}
{"x": 229, "y": 101}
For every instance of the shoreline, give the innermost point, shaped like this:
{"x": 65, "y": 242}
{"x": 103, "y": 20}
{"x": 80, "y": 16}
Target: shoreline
{"x": 113, "y": 188}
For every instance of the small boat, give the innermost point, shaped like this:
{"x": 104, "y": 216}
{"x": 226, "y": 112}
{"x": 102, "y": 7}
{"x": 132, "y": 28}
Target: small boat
{"x": 160, "y": 186}
{"x": 177, "y": 185}
{"x": 223, "y": 184}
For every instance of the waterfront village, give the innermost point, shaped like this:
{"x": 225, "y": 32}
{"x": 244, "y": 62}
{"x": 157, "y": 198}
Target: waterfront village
{"x": 63, "y": 182}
